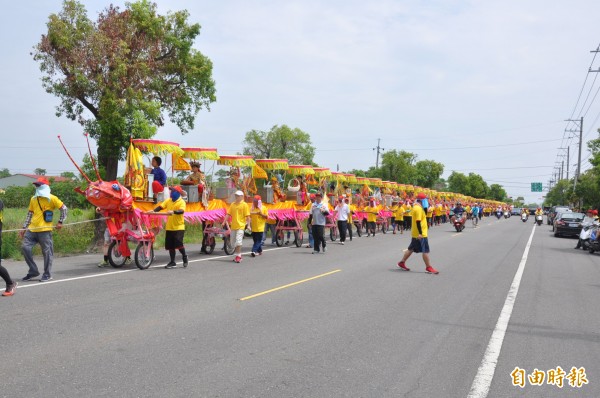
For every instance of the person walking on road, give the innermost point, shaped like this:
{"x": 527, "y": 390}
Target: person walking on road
{"x": 239, "y": 212}
{"x": 343, "y": 212}
{"x": 258, "y": 219}
{"x": 11, "y": 285}
{"x": 317, "y": 221}
{"x": 38, "y": 228}
{"x": 419, "y": 242}
{"x": 175, "y": 228}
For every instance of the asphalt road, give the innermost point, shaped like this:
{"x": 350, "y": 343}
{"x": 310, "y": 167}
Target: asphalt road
{"x": 362, "y": 328}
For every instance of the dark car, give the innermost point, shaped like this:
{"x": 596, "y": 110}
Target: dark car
{"x": 568, "y": 223}
{"x": 553, "y": 211}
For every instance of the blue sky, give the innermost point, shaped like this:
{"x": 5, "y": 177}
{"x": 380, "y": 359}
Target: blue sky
{"x": 423, "y": 76}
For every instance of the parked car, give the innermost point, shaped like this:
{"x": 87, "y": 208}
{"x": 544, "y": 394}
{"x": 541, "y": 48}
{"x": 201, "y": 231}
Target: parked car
{"x": 553, "y": 211}
{"x": 568, "y": 223}
{"x": 516, "y": 211}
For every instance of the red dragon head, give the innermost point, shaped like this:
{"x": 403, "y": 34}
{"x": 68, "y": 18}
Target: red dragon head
{"x": 105, "y": 195}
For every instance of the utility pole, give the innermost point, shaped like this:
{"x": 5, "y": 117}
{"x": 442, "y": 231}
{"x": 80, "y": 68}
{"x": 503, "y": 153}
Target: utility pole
{"x": 562, "y": 168}
{"x": 578, "y": 170}
{"x": 378, "y": 149}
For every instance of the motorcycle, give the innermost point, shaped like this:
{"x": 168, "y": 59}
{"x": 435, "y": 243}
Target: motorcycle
{"x": 539, "y": 219}
{"x": 506, "y": 214}
{"x": 524, "y": 217}
{"x": 459, "y": 222}
{"x": 593, "y": 245}
{"x": 499, "y": 214}
{"x": 587, "y": 230}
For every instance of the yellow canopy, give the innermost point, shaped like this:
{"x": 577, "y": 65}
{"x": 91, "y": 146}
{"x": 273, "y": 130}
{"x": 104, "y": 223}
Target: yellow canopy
{"x": 236, "y": 161}
{"x": 322, "y": 172}
{"x": 337, "y": 176}
{"x": 350, "y": 178}
{"x": 197, "y": 153}
{"x": 157, "y": 147}
{"x": 273, "y": 164}
{"x": 300, "y": 169}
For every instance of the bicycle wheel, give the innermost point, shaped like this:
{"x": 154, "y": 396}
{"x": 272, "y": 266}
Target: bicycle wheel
{"x": 333, "y": 234}
{"x": 279, "y": 236}
{"x": 298, "y": 238}
{"x": 210, "y": 245}
{"x": 227, "y": 245}
{"x": 115, "y": 258}
{"x": 144, "y": 255}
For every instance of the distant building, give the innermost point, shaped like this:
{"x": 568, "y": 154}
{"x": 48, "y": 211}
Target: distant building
{"x": 23, "y": 180}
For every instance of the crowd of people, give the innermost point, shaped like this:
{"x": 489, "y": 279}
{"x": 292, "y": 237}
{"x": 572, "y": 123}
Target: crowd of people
{"x": 415, "y": 214}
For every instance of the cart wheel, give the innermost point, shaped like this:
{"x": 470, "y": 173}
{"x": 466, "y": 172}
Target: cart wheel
{"x": 210, "y": 245}
{"x": 384, "y": 227}
{"x": 227, "y": 245}
{"x": 333, "y": 234}
{"x": 279, "y": 238}
{"x": 115, "y": 258}
{"x": 144, "y": 255}
{"x": 298, "y": 238}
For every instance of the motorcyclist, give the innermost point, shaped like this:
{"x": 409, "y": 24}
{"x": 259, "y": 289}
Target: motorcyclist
{"x": 539, "y": 212}
{"x": 458, "y": 212}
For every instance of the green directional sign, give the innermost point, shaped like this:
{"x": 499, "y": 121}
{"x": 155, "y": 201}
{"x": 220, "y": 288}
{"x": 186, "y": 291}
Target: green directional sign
{"x": 536, "y": 187}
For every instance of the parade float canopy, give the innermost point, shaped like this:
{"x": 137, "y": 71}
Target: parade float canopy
{"x": 377, "y": 182}
{"x": 273, "y": 164}
{"x": 300, "y": 169}
{"x": 197, "y": 153}
{"x": 363, "y": 180}
{"x": 321, "y": 172}
{"x": 157, "y": 147}
{"x": 350, "y": 178}
{"x": 236, "y": 161}
{"x": 337, "y": 176}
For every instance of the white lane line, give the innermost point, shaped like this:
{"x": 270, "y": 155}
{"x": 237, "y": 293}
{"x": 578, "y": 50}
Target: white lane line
{"x": 483, "y": 380}
{"x": 23, "y": 285}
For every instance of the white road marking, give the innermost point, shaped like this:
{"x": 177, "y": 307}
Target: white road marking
{"x": 23, "y": 285}
{"x": 483, "y": 380}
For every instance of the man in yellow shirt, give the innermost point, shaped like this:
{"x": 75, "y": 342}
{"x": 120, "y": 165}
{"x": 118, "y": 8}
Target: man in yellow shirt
{"x": 239, "y": 213}
{"x": 258, "y": 219}
{"x": 419, "y": 242}
{"x": 372, "y": 210}
{"x": 175, "y": 228}
{"x": 399, "y": 217}
{"x": 38, "y": 228}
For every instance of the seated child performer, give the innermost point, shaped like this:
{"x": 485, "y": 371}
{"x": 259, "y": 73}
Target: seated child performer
{"x": 175, "y": 228}
{"x": 160, "y": 177}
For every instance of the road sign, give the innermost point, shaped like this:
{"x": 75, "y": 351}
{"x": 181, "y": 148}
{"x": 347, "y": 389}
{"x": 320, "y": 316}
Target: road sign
{"x": 536, "y": 187}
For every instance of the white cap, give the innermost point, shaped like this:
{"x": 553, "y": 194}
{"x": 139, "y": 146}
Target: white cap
{"x": 239, "y": 193}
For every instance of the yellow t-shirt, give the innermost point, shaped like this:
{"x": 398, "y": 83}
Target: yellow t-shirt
{"x": 372, "y": 213}
{"x": 429, "y": 212}
{"x": 438, "y": 210}
{"x": 258, "y": 219}
{"x": 37, "y": 220}
{"x": 407, "y": 209}
{"x": 399, "y": 214}
{"x": 239, "y": 213}
{"x": 175, "y": 222}
{"x": 418, "y": 215}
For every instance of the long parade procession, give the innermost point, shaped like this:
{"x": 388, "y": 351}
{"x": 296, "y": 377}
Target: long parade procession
{"x": 286, "y": 191}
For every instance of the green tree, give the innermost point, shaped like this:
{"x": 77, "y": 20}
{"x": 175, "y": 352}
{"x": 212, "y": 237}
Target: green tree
{"x": 121, "y": 75}
{"x": 397, "y": 166}
{"x": 560, "y": 194}
{"x": 498, "y": 193}
{"x": 587, "y": 191}
{"x": 39, "y": 172}
{"x": 88, "y": 168}
{"x": 427, "y": 173}
{"x": 68, "y": 174}
{"x": 457, "y": 182}
{"x": 476, "y": 186}
{"x": 281, "y": 142}
{"x": 4, "y": 173}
